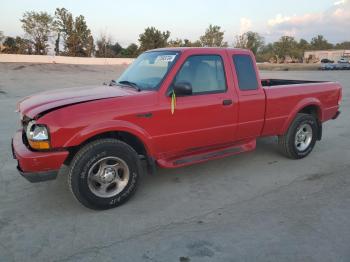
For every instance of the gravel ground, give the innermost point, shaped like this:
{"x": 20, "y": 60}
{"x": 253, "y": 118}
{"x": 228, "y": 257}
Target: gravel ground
{"x": 257, "y": 206}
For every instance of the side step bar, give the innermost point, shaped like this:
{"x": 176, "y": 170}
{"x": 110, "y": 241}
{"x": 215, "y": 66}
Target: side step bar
{"x": 207, "y": 155}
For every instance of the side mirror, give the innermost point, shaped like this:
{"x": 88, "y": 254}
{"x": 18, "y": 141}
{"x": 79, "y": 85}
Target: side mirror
{"x": 182, "y": 88}
{"x": 111, "y": 83}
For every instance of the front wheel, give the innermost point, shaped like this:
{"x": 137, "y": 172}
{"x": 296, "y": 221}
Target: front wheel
{"x": 300, "y": 138}
{"x": 104, "y": 174}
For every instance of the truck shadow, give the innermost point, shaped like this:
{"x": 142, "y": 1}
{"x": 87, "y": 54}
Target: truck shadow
{"x": 151, "y": 186}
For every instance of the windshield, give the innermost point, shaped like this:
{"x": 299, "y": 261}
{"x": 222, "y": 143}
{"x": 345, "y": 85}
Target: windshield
{"x": 149, "y": 69}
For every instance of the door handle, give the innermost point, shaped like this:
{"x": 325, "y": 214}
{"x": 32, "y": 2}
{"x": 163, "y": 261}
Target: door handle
{"x": 227, "y": 102}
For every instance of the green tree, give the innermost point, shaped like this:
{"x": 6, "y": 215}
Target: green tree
{"x": 24, "y": 46}
{"x": 343, "y": 45}
{"x": 267, "y": 54}
{"x": 38, "y": 26}
{"x": 153, "y": 38}
{"x": 90, "y": 46}
{"x": 117, "y": 49}
{"x": 10, "y": 46}
{"x": 320, "y": 43}
{"x": 188, "y": 43}
{"x": 184, "y": 43}
{"x": 132, "y": 50}
{"x": 176, "y": 43}
{"x": 303, "y": 45}
{"x": 77, "y": 37}
{"x": 286, "y": 47}
{"x": 17, "y": 45}
{"x": 105, "y": 48}
{"x": 63, "y": 26}
{"x": 103, "y": 45}
{"x": 2, "y": 37}
{"x": 250, "y": 40}
{"x": 213, "y": 37}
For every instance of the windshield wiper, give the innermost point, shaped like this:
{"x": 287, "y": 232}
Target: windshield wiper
{"x": 132, "y": 84}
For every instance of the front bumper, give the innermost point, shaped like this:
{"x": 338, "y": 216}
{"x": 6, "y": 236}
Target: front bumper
{"x": 36, "y": 166}
{"x": 35, "y": 177}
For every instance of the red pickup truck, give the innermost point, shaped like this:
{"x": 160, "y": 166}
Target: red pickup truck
{"x": 170, "y": 108}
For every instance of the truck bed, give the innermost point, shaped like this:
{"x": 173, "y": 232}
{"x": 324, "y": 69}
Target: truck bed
{"x": 284, "y": 98}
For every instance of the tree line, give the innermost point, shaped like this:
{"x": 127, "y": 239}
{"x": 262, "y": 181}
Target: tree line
{"x": 71, "y": 36}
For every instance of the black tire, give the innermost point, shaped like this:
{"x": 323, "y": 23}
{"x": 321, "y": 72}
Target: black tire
{"x": 86, "y": 158}
{"x": 286, "y": 142}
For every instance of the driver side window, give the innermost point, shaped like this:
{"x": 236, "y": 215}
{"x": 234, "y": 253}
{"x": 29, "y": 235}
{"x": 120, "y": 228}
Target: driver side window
{"x": 205, "y": 73}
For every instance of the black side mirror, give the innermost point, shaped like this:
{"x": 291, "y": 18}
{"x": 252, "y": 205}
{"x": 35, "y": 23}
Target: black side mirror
{"x": 182, "y": 88}
{"x": 111, "y": 83}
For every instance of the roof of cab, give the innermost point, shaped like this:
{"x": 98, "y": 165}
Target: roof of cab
{"x": 181, "y": 49}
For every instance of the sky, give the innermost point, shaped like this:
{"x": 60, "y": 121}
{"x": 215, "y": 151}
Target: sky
{"x": 188, "y": 19}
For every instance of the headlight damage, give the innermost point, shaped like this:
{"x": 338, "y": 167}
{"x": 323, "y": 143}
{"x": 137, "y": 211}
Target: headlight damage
{"x": 38, "y": 136}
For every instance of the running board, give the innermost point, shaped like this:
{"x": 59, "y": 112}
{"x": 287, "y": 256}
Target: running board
{"x": 208, "y": 155}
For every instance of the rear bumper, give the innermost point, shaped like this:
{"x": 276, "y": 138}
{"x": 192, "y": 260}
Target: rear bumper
{"x": 336, "y": 115}
{"x": 36, "y": 166}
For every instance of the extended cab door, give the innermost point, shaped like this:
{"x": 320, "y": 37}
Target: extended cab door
{"x": 250, "y": 92}
{"x": 208, "y": 117}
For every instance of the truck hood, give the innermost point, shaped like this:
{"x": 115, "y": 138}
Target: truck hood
{"x": 33, "y": 105}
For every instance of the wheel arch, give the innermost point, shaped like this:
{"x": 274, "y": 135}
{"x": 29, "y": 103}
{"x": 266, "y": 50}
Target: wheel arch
{"x": 129, "y": 133}
{"x": 310, "y": 106}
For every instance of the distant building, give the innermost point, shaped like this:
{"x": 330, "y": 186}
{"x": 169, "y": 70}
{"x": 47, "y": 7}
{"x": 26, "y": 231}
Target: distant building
{"x": 318, "y": 55}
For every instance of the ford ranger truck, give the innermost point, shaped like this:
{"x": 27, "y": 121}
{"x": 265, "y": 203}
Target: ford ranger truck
{"x": 170, "y": 108}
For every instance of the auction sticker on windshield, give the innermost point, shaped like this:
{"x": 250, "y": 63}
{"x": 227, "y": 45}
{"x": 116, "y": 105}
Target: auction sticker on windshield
{"x": 165, "y": 58}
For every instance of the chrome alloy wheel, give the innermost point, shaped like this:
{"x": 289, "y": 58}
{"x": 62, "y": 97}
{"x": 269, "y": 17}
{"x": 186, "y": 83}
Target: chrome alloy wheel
{"x": 108, "y": 177}
{"x": 303, "y": 137}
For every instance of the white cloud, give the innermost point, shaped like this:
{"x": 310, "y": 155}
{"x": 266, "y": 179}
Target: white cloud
{"x": 245, "y": 25}
{"x": 340, "y": 2}
{"x": 333, "y": 23}
{"x": 279, "y": 19}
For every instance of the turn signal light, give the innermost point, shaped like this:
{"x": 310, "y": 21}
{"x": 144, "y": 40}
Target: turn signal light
{"x": 39, "y": 145}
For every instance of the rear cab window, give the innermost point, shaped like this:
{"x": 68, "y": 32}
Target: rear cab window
{"x": 246, "y": 74}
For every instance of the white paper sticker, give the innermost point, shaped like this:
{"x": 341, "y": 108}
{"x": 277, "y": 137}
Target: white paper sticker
{"x": 165, "y": 58}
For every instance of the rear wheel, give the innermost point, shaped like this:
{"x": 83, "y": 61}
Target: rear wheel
{"x": 104, "y": 174}
{"x": 300, "y": 138}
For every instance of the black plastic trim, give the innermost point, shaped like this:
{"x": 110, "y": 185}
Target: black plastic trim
{"x": 13, "y": 150}
{"x": 35, "y": 177}
{"x": 320, "y": 131}
{"x": 151, "y": 165}
{"x": 281, "y": 82}
{"x": 336, "y": 115}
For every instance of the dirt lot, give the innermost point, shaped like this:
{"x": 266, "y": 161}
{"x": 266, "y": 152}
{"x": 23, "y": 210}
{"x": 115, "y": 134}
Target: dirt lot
{"x": 258, "y": 206}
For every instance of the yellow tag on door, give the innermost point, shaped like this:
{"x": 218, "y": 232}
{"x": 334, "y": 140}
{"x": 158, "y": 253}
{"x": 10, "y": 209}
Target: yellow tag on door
{"x": 173, "y": 102}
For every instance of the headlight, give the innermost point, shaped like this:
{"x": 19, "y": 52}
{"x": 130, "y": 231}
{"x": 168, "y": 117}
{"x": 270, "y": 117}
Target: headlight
{"x": 38, "y": 136}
